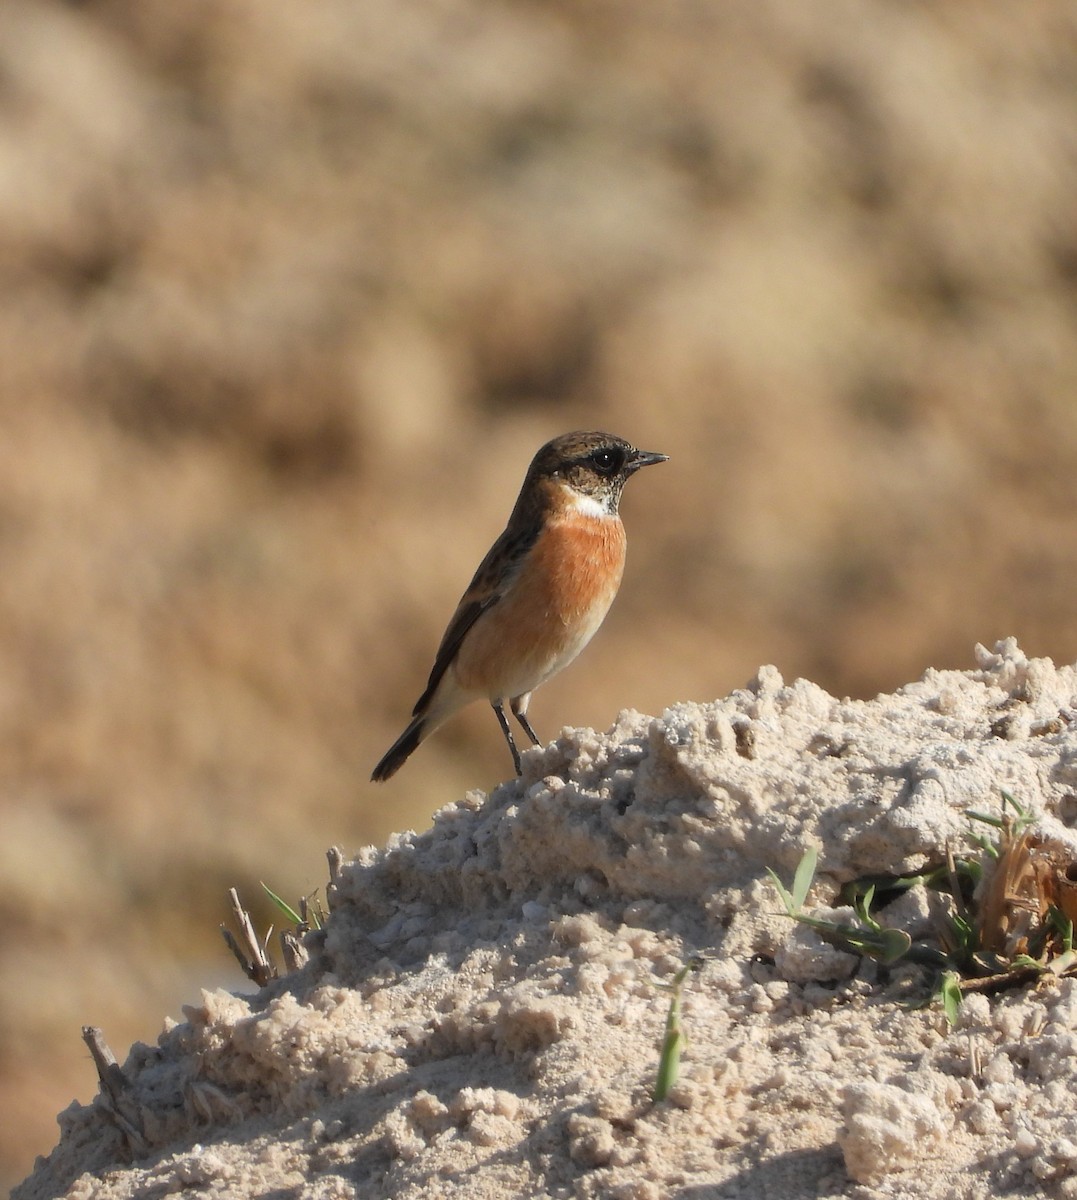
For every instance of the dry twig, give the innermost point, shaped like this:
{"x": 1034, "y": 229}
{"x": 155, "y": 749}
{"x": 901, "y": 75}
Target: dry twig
{"x": 252, "y": 956}
{"x": 115, "y": 1089}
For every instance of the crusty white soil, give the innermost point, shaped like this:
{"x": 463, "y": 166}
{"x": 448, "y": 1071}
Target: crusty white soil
{"x": 483, "y": 1013}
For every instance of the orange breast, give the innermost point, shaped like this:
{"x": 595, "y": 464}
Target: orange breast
{"x": 552, "y": 610}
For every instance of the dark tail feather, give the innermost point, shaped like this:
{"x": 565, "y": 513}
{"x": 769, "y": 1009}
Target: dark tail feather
{"x": 400, "y": 751}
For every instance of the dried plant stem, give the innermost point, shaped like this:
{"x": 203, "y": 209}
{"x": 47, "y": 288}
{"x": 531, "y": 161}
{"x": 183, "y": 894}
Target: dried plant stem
{"x": 115, "y": 1090}
{"x": 251, "y": 955}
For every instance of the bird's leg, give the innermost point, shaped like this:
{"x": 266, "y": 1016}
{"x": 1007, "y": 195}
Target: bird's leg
{"x": 519, "y": 711}
{"x": 503, "y": 721}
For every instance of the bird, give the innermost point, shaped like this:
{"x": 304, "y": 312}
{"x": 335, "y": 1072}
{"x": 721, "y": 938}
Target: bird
{"x": 539, "y": 595}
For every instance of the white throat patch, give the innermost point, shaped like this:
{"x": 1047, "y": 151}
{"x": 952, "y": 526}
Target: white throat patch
{"x": 586, "y": 505}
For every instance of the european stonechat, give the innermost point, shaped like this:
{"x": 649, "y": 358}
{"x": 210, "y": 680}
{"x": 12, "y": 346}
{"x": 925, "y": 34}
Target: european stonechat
{"x": 539, "y": 595}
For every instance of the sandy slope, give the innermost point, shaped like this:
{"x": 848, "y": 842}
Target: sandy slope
{"x": 483, "y": 1012}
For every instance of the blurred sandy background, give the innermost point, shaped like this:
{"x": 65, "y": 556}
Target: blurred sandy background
{"x": 292, "y": 292}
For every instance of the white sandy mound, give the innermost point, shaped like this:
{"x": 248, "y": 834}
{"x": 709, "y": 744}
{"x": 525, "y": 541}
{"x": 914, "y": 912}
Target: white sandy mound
{"x": 482, "y": 1015}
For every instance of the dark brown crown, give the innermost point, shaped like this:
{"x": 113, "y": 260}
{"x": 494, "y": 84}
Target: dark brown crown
{"x": 595, "y": 464}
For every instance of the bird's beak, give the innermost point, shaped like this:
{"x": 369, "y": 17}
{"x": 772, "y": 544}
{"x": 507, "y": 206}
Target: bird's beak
{"x": 644, "y": 458}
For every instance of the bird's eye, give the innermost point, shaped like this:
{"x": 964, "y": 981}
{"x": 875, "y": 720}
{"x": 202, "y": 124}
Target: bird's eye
{"x": 607, "y": 462}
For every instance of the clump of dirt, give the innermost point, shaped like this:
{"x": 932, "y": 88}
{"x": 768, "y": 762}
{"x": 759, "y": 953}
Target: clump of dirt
{"x": 484, "y": 1007}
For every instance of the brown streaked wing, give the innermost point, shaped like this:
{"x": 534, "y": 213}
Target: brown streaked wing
{"x": 489, "y": 583}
